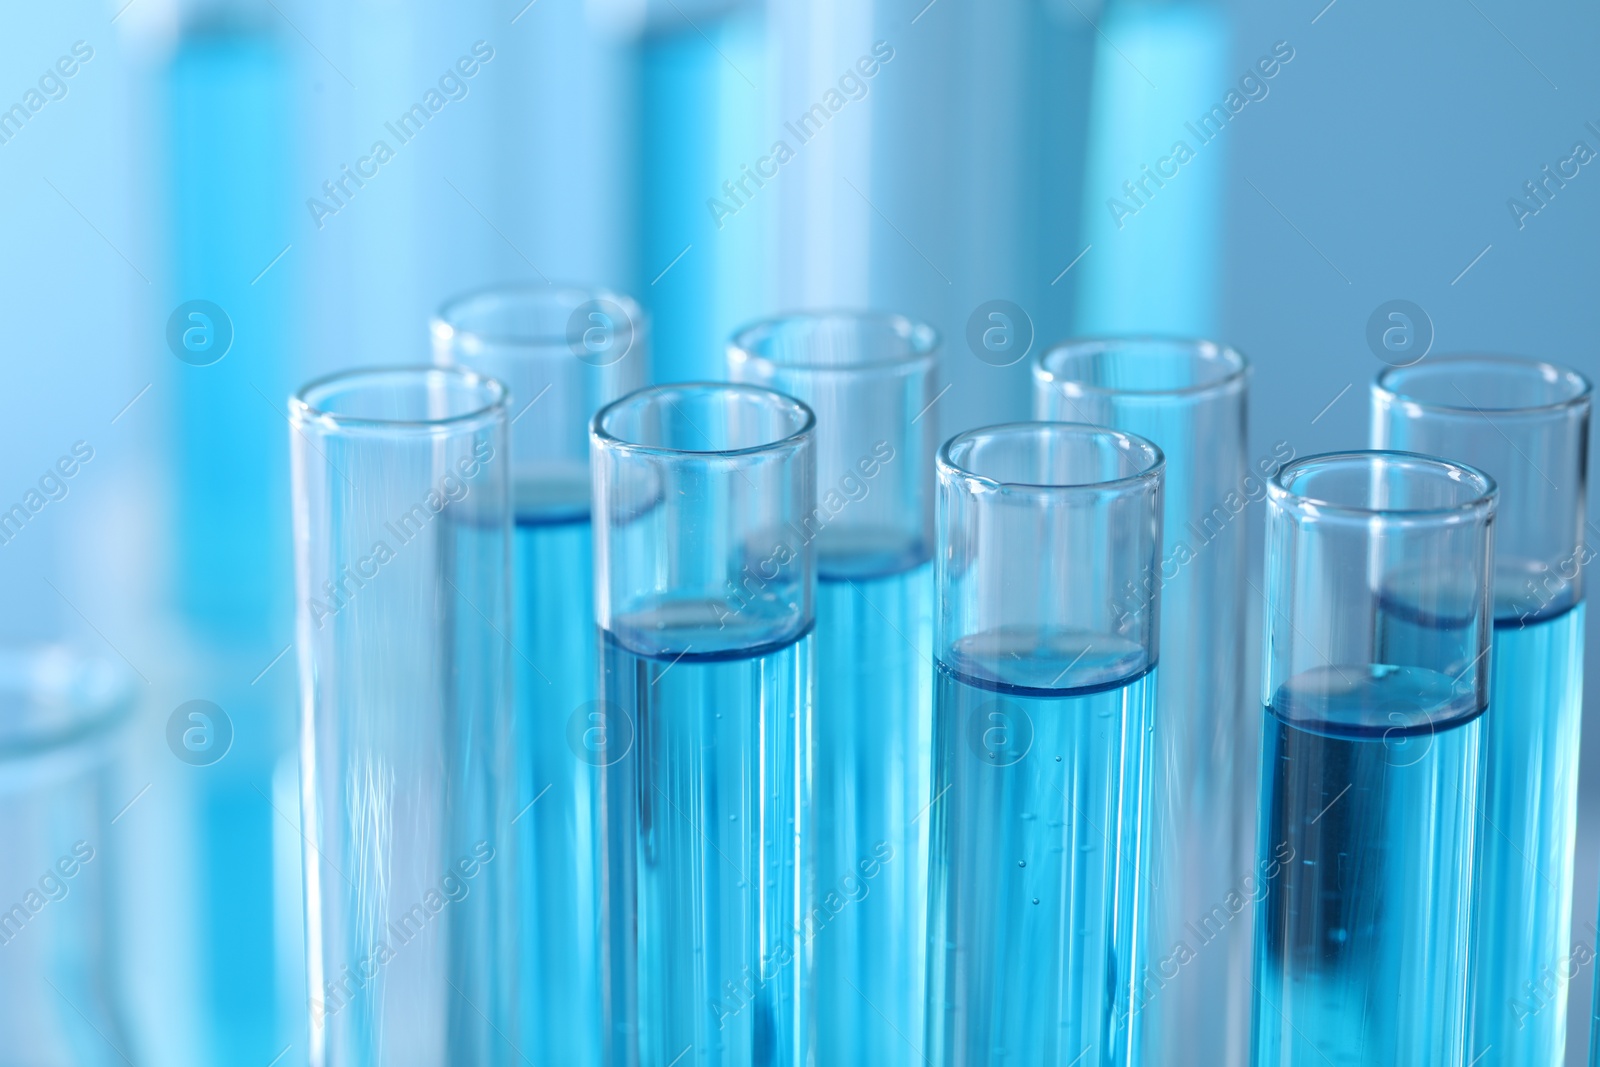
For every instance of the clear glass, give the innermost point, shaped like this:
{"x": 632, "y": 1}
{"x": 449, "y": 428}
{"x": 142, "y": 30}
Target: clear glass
{"x": 1526, "y": 423}
{"x": 869, "y": 379}
{"x": 1376, "y": 672}
{"x": 1042, "y": 711}
{"x": 402, "y": 523}
{"x": 1187, "y": 396}
{"x": 62, "y": 718}
{"x": 564, "y": 352}
{"x": 705, "y": 579}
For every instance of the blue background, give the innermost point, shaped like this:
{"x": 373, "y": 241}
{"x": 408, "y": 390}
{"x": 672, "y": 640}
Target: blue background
{"x": 978, "y": 165}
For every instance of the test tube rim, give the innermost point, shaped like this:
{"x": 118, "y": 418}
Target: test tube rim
{"x": 1387, "y": 387}
{"x": 304, "y": 411}
{"x": 444, "y": 328}
{"x": 797, "y": 438}
{"x": 924, "y": 341}
{"x": 92, "y": 718}
{"x": 1478, "y": 507}
{"x": 1153, "y": 469}
{"x": 1238, "y": 366}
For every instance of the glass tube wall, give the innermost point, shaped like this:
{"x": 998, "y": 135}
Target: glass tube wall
{"x": 1376, "y": 679}
{"x": 1526, "y": 423}
{"x": 1041, "y": 717}
{"x": 61, "y": 722}
{"x": 564, "y": 352}
{"x": 1192, "y": 1002}
{"x": 869, "y": 379}
{"x": 402, "y": 552}
{"x": 705, "y": 585}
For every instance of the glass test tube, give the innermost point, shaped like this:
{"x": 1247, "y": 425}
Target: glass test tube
{"x": 61, "y": 715}
{"x": 1042, "y": 709}
{"x": 1376, "y": 675}
{"x": 564, "y": 352}
{"x": 402, "y": 552}
{"x": 869, "y": 379}
{"x": 1191, "y": 1001}
{"x": 704, "y": 587}
{"x": 1525, "y": 423}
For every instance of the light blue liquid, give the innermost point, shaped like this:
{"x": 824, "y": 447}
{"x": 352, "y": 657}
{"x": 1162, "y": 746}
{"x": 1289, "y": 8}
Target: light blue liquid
{"x": 559, "y": 892}
{"x": 1524, "y": 913}
{"x": 874, "y": 736}
{"x": 711, "y": 810}
{"x": 1369, "y": 796}
{"x": 1035, "y": 834}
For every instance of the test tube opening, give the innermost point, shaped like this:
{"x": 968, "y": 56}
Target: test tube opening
{"x": 563, "y": 351}
{"x": 541, "y": 321}
{"x": 1051, "y": 456}
{"x": 705, "y": 419}
{"x": 869, "y": 378}
{"x": 1403, "y": 542}
{"x": 838, "y": 341}
{"x": 1048, "y": 559}
{"x": 1474, "y": 384}
{"x": 705, "y": 519}
{"x": 1131, "y": 367}
{"x": 399, "y": 399}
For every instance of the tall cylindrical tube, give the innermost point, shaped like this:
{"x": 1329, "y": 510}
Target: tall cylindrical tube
{"x": 564, "y": 352}
{"x": 402, "y": 529}
{"x": 1525, "y": 423}
{"x": 705, "y": 576}
{"x": 1191, "y": 1001}
{"x": 1375, "y": 682}
{"x": 62, "y": 723}
{"x": 1042, "y": 707}
{"x": 869, "y": 379}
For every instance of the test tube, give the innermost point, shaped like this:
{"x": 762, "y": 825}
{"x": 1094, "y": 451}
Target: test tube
{"x": 61, "y": 719}
{"x": 1376, "y": 678}
{"x": 869, "y": 379}
{"x": 705, "y": 581}
{"x": 1191, "y": 1002}
{"x": 1042, "y": 705}
{"x": 1525, "y": 423}
{"x": 564, "y": 352}
{"x": 402, "y": 545}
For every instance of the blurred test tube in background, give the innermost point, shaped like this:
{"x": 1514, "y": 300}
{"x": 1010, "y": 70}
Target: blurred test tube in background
{"x": 61, "y": 729}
